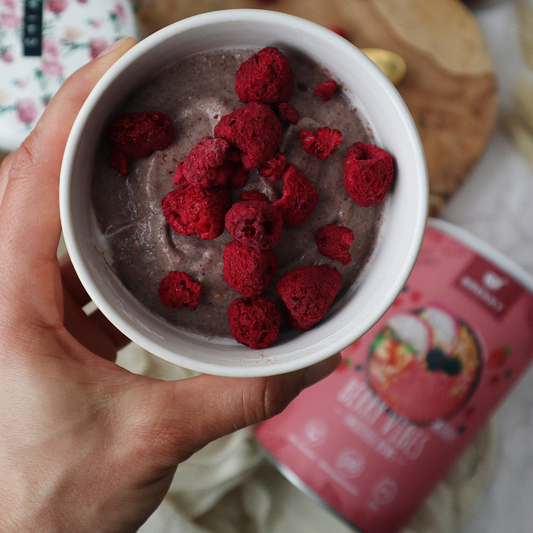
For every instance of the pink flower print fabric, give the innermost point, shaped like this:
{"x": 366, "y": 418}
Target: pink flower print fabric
{"x": 73, "y": 33}
{"x": 27, "y": 110}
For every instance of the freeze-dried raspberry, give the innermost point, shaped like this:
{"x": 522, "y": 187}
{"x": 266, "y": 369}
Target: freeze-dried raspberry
{"x": 179, "y": 290}
{"x": 326, "y": 89}
{"x": 308, "y": 293}
{"x": 239, "y": 176}
{"x": 334, "y": 242}
{"x": 118, "y": 160}
{"x": 253, "y": 195}
{"x": 254, "y": 130}
{"x": 255, "y": 223}
{"x": 179, "y": 178}
{"x": 289, "y": 113}
{"x": 194, "y": 211}
{"x": 248, "y": 270}
{"x": 207, "y": 165}
{"x": 273, "y": 168}
{"x": 298, "y": 200}
{"x": 233, "y": 154}
{"x": 322, "y": 143}
{"x": 266, "y": 77}
{"x": 368, "y": 173}
{"x": 137, "y": 135}
{"x": 254, "y": 322}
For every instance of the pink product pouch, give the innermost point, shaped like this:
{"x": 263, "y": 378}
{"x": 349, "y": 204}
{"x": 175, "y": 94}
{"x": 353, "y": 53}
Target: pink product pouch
{"x": 374, "y": 439}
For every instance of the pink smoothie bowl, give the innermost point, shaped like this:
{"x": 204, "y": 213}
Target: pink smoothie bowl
{"x": 400, "y": 234}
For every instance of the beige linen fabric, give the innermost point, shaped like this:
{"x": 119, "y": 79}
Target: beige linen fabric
{"x": 230, "y": 487}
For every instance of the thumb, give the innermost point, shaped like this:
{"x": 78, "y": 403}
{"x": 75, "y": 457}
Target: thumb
{"x": 184, "y": 416}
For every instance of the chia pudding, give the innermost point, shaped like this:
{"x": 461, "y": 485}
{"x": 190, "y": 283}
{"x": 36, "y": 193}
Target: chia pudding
{"x": 195, "y": 93}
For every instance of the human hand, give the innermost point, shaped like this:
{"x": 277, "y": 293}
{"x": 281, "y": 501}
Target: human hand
{"x": 84, "y": 444}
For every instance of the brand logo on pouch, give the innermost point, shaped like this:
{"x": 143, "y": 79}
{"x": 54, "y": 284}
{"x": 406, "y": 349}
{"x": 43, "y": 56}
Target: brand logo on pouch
{"x": 493, "y": 282}
{"x": 491, "y": 287}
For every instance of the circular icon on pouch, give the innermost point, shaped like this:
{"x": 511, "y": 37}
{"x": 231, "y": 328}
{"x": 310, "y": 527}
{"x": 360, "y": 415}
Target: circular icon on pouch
{"x": 316, "y": 432}
{"x": 350, "y": 463}
{"x": 384, "y": 491}
{"x": 424, "y": 365}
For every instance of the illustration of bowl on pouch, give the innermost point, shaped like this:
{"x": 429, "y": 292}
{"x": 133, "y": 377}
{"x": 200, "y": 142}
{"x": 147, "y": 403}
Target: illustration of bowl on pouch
{"x": 424, "y": 365}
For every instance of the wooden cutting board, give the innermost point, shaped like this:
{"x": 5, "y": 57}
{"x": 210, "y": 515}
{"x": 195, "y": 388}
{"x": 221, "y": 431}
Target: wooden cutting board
{"x": 450, "y": 86}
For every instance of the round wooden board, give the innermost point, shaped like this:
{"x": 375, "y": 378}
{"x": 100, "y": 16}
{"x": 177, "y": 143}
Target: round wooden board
{"x": 450, "y": 86}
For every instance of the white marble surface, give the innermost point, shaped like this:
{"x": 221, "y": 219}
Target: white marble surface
{"x": 495, "y": 205}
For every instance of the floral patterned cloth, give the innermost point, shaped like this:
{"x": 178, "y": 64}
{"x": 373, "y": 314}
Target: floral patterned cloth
{"x": 73, "y": 32}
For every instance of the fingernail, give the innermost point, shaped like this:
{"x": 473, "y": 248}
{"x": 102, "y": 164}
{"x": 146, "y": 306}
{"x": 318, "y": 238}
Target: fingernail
{"x": 112, "y": 47}
{"x": 319, "y": 371}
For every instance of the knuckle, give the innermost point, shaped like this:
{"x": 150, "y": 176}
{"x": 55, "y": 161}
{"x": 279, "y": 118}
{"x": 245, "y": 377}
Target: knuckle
{"x": 269, "y": 398}
{"x": 25, "y": 159}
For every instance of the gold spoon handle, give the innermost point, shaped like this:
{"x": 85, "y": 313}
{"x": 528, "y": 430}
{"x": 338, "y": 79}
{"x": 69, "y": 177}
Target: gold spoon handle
{"x": 389, "y": 62}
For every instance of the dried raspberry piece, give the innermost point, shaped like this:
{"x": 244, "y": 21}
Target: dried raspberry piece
{"x": 266, "y": 77}
{"x": 289, "y": 113}
{"x": 238, "y": 177}
{"x": 191, "y": 210}
{"x": 273, "y": 168}
{"x": 326, "y": 89}
{"x": 137, "y": 135}
{"x": 118, "y": 160}
{"x": 253, "y": 195}
{"x": 334, "y": 242}
{"x": 254, "y": 322}
{"x": 255, "y": 223}
{"x": 233, "y": 154}
{"x": 254, "y": 130}
{"x": 322, "y": 143}
{"x": 308, "y": 293}
{"x": 207, "y": 165}
{"x": 368, "y": 173}
{"x": 179, "y": 290}
{"x": 179, "y": 178}
{"x": 298, "y": 200}
{"x": 248, "y": 270}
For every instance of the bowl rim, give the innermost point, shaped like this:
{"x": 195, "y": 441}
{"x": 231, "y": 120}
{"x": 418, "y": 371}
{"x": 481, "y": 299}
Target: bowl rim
{"x": 128, "y": 59}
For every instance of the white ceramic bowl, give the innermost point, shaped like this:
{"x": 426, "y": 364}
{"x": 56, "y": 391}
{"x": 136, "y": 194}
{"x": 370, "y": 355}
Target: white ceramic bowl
{"x": 405, "y": 210}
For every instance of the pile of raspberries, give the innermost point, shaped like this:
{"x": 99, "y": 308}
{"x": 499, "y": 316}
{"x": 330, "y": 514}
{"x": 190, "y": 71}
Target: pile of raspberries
{"x": 200, "y": 204}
